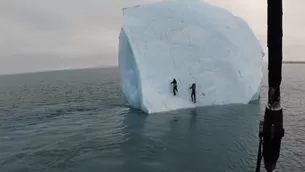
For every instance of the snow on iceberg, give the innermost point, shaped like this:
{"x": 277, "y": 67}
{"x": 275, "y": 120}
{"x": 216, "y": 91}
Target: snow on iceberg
{"x": 193, "y": 42}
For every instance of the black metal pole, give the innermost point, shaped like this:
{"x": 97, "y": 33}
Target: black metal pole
{"x": 273, "y": 130}
{"x": 275, "y": 34}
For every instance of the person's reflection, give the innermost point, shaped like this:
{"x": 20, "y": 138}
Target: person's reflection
{"x": 193, "y": 118}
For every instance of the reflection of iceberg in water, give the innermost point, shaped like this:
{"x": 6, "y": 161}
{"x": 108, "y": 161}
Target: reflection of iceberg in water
{"x": 192, "y": 140}
{"x": 131, "y": 150}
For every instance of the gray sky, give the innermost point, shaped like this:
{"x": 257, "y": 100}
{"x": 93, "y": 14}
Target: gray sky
{"x": 40, "y": 35}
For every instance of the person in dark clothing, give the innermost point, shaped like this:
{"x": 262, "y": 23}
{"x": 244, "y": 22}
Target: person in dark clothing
{"x": 193, "y": 95}
{"x": 174, "y": 82}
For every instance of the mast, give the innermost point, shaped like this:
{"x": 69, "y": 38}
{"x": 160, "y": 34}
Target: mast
{"x": 274, "y": 42}
{"x": 271, "y": 129}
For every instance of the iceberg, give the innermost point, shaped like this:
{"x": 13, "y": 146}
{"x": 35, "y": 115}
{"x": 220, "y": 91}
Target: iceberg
{"x": 193, "y": 42}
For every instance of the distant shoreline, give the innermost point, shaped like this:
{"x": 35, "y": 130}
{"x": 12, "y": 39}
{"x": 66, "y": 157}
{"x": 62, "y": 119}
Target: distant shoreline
{"x": 293, "y": 62}
{"x": 58, "y": 70}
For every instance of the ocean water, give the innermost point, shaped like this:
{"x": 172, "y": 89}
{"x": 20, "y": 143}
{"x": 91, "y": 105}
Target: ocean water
{"x": 78, "y": 121}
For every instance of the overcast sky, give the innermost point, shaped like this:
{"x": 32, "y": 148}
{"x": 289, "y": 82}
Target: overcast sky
{"x": 40, "y": 35}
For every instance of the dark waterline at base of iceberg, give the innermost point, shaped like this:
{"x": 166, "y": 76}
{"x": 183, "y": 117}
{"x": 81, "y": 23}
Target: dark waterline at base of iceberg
{"x": 78, "y": 121}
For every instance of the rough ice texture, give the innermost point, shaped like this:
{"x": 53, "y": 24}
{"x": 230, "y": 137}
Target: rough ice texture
{"x": 192, "y": 42}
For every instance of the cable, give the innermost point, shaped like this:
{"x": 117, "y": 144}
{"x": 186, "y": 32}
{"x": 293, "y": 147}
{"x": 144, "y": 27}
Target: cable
{"x": 259, "y": 156}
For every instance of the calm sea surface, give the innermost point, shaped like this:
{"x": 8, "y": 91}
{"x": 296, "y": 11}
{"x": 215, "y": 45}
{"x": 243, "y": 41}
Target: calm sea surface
{"x": 78, "y": 121}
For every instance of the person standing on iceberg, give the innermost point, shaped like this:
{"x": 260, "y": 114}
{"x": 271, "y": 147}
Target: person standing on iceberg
{"x": 174, "y": 82}
{"x": 193, "y": 94}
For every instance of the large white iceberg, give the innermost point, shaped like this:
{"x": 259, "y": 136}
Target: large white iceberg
{"x": 191, "y": 41}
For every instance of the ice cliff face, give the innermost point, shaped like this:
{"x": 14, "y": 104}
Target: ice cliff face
{"x": 192, "y": 42}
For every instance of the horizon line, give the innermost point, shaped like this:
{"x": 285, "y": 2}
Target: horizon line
{"x": 100, "y": 67}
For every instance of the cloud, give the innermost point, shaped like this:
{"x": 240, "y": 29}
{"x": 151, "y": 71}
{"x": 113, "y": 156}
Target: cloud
{"x": 255, "y": 13}
{"x": 50, "y": 34}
